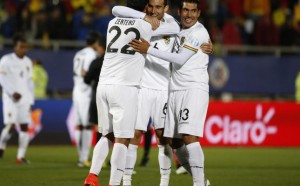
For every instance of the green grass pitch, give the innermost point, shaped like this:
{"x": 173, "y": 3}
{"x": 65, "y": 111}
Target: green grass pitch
{"x": 56, "y": 165}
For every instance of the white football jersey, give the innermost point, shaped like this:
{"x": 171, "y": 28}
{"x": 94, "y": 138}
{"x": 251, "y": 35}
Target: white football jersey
{"x": 122, "y": 65}
{"x": 157, "y": 71}
{"x": 82, "y": 61}
{"x": 16, "y": 76}
{"x": 193, "y": 74}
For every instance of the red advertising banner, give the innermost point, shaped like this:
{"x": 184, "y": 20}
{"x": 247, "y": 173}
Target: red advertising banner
{"x": 250, "y": 123}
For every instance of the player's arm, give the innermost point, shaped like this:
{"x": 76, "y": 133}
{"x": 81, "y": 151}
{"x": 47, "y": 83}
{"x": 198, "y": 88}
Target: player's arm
{"x": 207, "y": 48}
{"x": 89, "y": 76}
{"x": 31, "y": 83}
{"x": 123, "y": 11}
{"x": 4, "y": 81}
{"x": 170, "y": 26}
{"x": 179, "y": 58}
{"x": 190, "y": 47}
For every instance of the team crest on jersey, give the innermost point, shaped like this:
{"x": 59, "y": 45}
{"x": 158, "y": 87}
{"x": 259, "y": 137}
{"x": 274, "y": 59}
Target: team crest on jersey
{"x": 182, "y": 39}
{"x": 167, "y": 39}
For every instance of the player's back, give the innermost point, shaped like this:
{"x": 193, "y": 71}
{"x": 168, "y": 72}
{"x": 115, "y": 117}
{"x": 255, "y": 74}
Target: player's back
{"x": 122, "y": 65}
{"x": 82, "y": 61}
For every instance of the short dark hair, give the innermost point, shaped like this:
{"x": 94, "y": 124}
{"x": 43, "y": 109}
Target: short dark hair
{"x": 92, "y": 37}
{"x": 189, "y": 1}
{"x": 18, "y": 38}
{"x": 166, "y": 2}
{"x": 137, "y": 4}
{"x": 102, "y": 41}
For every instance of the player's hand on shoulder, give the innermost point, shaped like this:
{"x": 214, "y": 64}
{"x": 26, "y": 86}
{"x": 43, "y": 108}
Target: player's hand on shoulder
{"x": 153, "y": 21}
{"x": 140, "y": 46}
{"x": 207, "y": 48}
{"x": 16, "y": 96}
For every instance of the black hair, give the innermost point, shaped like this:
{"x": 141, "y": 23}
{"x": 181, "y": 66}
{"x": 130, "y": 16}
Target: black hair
{"x": 166, "y": 2}
{"x": 102, "y": 41}
{"x": 18, "y": 38}
{"x": 92, "y": 37}
{"x": 137, "y": 4}
{"x": 189, "y": 1}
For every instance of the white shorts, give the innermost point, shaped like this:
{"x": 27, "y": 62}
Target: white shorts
{"x": 117, "y": 109}
{"x": 152, "y": 104}
{"x": 81, "y": 102}
{"x": 14, "y": 113}
{"x": 186, "y": 113}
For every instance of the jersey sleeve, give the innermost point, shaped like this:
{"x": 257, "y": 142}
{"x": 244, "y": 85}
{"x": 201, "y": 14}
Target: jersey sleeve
{"x": 4, "y": 81}
{"x": 89, "y": 59}
{"x": 30, "y": 81}
{"x": 196, "y": 39}
{"x": 178, "y": 58}
{"x": 125, "y": 12}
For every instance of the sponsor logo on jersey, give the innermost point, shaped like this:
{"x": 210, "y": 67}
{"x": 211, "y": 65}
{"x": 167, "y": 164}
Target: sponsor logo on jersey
{"x": 182, "y": 39}
{"x": 167, "y": 39}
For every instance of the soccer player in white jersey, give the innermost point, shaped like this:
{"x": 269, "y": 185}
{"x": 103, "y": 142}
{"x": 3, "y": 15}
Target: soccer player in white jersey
{"x": 188, "y": 98}
{"x": 18, "y": 97}
{"x": 153, "y": 94}
{"x": 82, "y": 93}
{"x": 117, "y": 90}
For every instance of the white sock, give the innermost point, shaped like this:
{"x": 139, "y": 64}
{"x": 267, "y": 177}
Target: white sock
{"x": 117, "y": 161}
{"x": 78, "y": 137}
{"x": 5, "y": 136}
{"x": 196, "y": 161}
{"x": 182, "y": 155}
{"x": 23, "y": 144}
{"x": 100, "y": 153}
{"x": 130, "y": 163}
{"x": 165, "y": 162}
{"x": 86, "y": 141}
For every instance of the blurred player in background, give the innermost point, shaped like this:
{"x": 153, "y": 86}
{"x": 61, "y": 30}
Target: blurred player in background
{"x": 18, "y": 97}
{"x": 92, "y": 78}
{"x": 82, "y": 94}
{"x": 188, "y": 98}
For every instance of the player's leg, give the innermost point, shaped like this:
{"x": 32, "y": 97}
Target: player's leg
{"x": 102, "y": 147}
{"x": 191, "y": 126}
{"x": 147, "y": 146}
{"x": 78, "y": 128}
{"x": 6, "y": 134}
{"x": 164, "y": 150}
{"x": 131, "y": 157}
{"x": 143, "y": 114}
{"x": 9, "y": 119}
{"x": 24, "y": 118}
{"x": 23, "y": 144}
{"x": 100, "y": 153}
{"x": 87, "y": 129}
{"x": 164, "y": 158}
{"x": 124, "y": 111}
{"x": 86, "y": 142}
{"x": 118, "y": 160}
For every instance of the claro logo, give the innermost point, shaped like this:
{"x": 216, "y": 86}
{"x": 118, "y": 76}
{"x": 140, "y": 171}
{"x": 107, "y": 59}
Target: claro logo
{"x": 223, "y": 129}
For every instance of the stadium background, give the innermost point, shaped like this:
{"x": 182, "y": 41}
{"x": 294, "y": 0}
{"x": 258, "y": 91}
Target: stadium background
{"x": 252, "y": 72}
